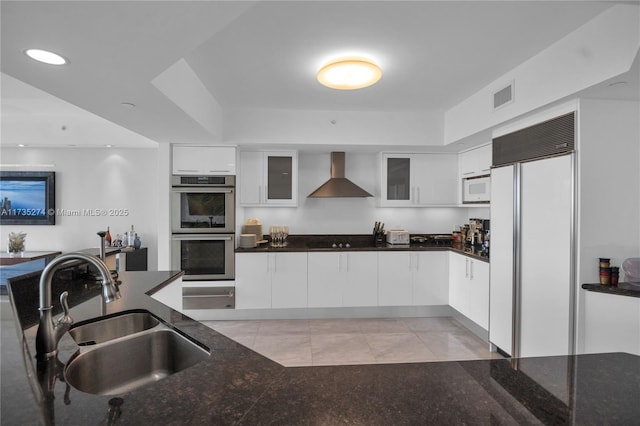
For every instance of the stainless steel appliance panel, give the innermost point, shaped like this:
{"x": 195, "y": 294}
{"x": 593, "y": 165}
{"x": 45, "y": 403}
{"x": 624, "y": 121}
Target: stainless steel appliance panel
{"x": 208, "y": 297}
{"x": 210, "y": 181}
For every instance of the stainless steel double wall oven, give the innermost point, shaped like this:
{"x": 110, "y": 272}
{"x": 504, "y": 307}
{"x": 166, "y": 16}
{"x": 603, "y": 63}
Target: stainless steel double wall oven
{"x": 203, "y": 226}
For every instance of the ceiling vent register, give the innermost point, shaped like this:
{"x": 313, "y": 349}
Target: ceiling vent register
{"x": 503, "y": 96}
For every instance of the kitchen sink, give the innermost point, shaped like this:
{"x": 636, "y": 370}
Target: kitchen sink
{"x": 122, "y": 365}
{"x": 102, "y": 329}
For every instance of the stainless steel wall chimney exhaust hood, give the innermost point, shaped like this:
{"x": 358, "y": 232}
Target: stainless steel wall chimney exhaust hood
{"x": 338, "y": 185}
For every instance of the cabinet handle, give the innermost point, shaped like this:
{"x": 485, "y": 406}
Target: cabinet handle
{"x": 268, "y": 262}
{"x": 471, "y": 269}
{"x": 466, "y": 268}
{"x": 467, "y": 173}
{"x": 418, "y": 194}
{"x": 188, "y": 170}
{"x": 220, "y": 171}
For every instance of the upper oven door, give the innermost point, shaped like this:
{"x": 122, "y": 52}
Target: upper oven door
{"x": 202, "y": 210}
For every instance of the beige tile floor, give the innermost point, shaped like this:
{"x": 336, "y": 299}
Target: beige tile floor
{"x": 356, "y": 341}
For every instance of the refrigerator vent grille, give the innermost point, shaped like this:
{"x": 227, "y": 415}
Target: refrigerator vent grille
{"x": 549, "y": 138}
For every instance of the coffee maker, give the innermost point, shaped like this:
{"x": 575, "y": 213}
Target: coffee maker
{"x": 478, "y": 232}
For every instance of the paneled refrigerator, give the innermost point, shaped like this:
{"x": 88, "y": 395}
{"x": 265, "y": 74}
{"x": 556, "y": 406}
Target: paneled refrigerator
{"x": 532, "y": 291}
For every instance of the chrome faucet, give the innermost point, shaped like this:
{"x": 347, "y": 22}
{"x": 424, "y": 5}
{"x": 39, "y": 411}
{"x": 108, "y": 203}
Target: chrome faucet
{"x": 49, "y": 334}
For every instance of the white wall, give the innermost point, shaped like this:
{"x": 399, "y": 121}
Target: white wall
{"x": 92, "y": 178}
{"x": 350, "y": 215}
{"x": 609, "y": 148}
{"x": 359, "y": 128}
{"x": 599, "y": 50}
{"x": 609, "y": 204}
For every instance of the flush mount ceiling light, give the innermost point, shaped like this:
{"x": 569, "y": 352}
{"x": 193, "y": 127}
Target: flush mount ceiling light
{"x": 349, "y": 74}
{"x": 45, "y": 56}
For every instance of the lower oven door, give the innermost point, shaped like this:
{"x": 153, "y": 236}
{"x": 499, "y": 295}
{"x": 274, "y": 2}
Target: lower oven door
{"x": 204, "y": 256}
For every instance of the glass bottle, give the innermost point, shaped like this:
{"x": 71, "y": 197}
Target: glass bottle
{"x": 131, "y": 237}
{"x": 107, "y": 238}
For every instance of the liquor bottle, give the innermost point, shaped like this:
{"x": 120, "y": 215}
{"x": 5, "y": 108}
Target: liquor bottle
{"x": 107, "y": 238}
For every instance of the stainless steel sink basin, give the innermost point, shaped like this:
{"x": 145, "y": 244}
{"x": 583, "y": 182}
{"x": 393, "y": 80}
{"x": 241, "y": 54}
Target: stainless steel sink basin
{"x": 122, "y": 365}
{"x": 103, "y": 329}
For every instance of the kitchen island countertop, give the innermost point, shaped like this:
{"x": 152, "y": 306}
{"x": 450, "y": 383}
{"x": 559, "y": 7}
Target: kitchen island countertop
{"x": 238, "y": 386}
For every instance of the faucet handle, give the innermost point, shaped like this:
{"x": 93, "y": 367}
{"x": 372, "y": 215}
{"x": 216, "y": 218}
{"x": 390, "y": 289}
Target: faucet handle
{"x": 64, "y": 303}
{"x": 65, "y": 320}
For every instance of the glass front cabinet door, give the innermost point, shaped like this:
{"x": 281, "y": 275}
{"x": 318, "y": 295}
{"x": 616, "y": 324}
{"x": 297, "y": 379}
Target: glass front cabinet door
{"x": 397, "y": 185}
{"x": 418, "y": 180}
{"x": 269, "y": 178}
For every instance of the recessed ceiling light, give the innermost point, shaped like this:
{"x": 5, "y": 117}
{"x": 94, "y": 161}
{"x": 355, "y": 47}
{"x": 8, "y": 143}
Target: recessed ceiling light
{"x": 349, "y": 74}
{"x": 108, "y": 145}
{"x": 45, "y": 56}
{"x": 21, "y": 145}
{"x": 128, "y": 104}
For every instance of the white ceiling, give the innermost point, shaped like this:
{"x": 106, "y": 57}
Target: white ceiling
{"x": 253, "y": 55}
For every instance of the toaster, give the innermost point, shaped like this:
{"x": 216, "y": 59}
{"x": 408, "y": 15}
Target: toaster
{"x": 397, "y": 236}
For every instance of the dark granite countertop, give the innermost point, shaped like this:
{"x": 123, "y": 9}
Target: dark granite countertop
{"x": 620, "y": 289}
{"x": 238, "y": 386}
{"x": 323, "y": 243}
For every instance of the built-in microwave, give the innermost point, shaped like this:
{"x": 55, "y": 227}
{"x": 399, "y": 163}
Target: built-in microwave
{"x": 476, "y": 190}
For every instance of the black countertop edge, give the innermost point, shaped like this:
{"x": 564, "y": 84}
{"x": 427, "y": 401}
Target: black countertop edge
{"x": 322, "y": 243}
{"x": 621, "y": 289}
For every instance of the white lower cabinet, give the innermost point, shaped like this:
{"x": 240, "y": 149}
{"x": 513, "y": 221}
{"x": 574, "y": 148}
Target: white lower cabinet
{"x": 469, "y": 288}
{"x": 338, "y": 279}
{"x": 611, "y": 323}
{"x": 271, "y": 280}
{"x": 353, "y": 278}
{"x": 413, "y": 278}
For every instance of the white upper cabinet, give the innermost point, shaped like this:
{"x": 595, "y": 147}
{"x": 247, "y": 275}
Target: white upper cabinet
{"x": 268, "y": 178}
{"x": 414, "y": 180}
{"x": 203, "y": 160}
{"x": 475, "y": 162}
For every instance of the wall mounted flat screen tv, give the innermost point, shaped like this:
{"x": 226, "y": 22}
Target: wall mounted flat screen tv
{"x": 27, "y": 198}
